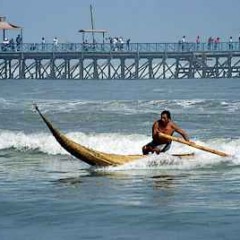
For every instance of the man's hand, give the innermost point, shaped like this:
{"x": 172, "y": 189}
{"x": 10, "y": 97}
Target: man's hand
{"x": 156, "y": 150}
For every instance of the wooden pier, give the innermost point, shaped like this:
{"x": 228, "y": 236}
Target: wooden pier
{"x": 125, "y": 61}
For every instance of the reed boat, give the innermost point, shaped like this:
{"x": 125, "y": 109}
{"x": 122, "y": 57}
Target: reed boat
{"x": 91, "y": 156}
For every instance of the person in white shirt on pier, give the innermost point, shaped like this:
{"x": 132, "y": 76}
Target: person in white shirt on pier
{"x": 55, "y": 41}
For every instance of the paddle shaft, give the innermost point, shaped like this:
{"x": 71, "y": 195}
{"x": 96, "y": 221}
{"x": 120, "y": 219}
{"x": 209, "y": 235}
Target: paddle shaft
{"x": 192, "y": 144}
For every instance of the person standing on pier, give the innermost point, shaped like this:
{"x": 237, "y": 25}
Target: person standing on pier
{"x": 198, "y": 42}
{"x": 230, "y": 43}
{"x": 18, "y": 42}
{"x": 128, "y": 44}
{"x": 43, "y": 43}
{"x": 5, "y": 44}
{"x": 239, "y": 41}
{"x": 55, "y": 43}
{"x": 183, "y": 43}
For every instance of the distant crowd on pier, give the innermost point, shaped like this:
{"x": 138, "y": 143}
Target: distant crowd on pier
{"x": 212, "y": 43}
{"x": 116, "y": 44}
{"x": 11, "y": 45}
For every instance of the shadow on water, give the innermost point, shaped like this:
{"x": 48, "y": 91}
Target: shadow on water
{"x": 166, "y": 181}
{"x": 91, "y": 173}
{"x": 70, "y": 180}
{"x": 158, "y": 180}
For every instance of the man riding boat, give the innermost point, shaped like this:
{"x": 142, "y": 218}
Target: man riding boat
{"x": 163, "y": 125}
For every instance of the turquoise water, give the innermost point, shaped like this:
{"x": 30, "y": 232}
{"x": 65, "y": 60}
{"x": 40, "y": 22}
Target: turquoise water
{"x": 47, "y": 194}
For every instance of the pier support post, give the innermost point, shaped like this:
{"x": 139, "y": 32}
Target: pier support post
{"x": 122, "y": 68}
{"x": 230, "y": 69}
{"x": 136, "y": 67}
{"x": 177, "y": 68}
{"x": 81, "y": 68}
{"x": 150, "y": 61}
{"x": 204, "y": 65}
{"x": 21, "y": 67}
{"x": 52, "y": 69}
{"x": 164, "y": 66}
{"x": 95, "y": 69}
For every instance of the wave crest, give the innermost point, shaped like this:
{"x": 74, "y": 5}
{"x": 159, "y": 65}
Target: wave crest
{"x": 124, "y": 144}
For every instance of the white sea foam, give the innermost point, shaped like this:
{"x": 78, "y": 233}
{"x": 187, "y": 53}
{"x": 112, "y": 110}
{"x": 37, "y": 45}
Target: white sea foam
{"x": 26, "y": 142}
{"x": 189, "y": 103}
{"x": 123, "y": 106}
{"x": 232, "y": 107}
{"x": 200, "y": 159}
{"x": 6, "y": 104}
{"x": 125, "y": 144}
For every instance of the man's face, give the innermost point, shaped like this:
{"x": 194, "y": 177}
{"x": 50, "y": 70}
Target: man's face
{"x": 164, "y": 119}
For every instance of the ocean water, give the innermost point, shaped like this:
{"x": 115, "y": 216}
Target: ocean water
{"x": 47, "y": 194}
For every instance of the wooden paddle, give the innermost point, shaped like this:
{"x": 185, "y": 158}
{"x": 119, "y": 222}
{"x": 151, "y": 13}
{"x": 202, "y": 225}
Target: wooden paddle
{"x": 192, "y": 144}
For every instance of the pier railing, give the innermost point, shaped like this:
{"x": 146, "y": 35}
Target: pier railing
{"x": 121, "y": 47}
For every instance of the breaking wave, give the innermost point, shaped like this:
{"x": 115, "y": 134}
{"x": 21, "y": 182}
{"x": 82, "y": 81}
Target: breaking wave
{"x": 124, "y": 144}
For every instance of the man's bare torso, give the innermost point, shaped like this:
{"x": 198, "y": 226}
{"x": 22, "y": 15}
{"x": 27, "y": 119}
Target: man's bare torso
{"x": 158, "y": 127}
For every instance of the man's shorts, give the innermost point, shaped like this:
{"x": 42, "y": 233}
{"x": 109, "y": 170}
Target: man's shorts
{"x": 161, "y": 147}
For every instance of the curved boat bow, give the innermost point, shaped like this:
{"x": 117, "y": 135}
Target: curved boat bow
{"x": 90, "y": 156}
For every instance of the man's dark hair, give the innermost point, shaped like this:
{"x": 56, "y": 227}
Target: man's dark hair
{"x": 167, "y": 113}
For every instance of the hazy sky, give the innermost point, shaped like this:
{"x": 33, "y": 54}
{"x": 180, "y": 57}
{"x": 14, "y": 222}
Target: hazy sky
{"x": 139, "y": 20}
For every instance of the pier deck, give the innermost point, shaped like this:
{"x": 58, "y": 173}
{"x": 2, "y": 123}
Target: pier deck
{"x": 133, "y": 61}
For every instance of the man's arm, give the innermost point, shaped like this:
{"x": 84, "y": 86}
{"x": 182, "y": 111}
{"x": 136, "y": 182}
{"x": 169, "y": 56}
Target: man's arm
{"x": 181, "y": 132}
{"x": 155, "y": 129}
